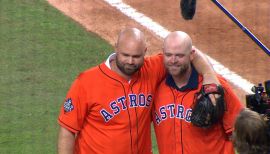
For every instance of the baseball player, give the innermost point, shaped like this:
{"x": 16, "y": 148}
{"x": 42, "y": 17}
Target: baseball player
{"x": 108, "y": 107}
{"x": 173, "y": 105}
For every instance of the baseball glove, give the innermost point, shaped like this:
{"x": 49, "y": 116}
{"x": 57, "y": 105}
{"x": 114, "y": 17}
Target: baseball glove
{"x": 188, "y": 8}
{"x": 205, "y": 113}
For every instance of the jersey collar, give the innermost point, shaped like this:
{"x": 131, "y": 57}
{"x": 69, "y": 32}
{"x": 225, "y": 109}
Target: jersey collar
{"x": 109, "y": 59}
{"x": 193, "y": 81}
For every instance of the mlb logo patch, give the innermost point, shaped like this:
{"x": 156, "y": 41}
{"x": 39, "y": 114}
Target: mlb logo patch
{"x": 68, "y": 106}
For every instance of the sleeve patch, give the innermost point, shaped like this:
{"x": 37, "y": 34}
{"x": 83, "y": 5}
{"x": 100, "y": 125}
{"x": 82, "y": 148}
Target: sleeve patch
{"x": 68, "y": 106}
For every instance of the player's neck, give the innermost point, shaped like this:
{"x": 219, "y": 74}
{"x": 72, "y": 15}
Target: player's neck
{"x": 182, "y": 79}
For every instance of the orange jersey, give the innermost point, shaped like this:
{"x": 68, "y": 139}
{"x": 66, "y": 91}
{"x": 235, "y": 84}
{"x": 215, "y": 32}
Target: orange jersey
{"x": 109, "y": 114}
{"x": 171, "y": 116}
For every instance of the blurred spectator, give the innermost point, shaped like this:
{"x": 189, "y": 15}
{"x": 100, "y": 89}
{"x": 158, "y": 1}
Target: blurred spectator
{"x": 251, "y": 134}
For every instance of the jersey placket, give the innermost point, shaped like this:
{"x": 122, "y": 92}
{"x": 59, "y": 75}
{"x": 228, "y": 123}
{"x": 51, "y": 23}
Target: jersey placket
{"x": 131, "y": 106}
{"x": 178, "y": 123}
{"x": 180, "y": 116}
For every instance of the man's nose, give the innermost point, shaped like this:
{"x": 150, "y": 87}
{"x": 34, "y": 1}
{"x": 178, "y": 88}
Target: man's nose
{"x": 173, "y": 59}
{"x": 130, "y": 60}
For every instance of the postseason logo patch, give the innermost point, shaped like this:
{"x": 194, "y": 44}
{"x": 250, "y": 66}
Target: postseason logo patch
{"x": 68, "y": 106}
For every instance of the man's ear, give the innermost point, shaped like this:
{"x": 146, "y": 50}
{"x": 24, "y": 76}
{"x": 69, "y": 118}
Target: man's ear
{"x": 115, "y": 47}
{"x": 163, "y": 50}
{"x": 192, "y": 53}
{"x": 145, "y": 49}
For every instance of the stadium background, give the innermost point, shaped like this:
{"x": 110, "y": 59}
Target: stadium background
{"x": 43, "y": 50}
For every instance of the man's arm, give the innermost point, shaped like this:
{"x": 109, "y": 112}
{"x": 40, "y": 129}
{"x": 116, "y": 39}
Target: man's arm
{"x": 203, "y": 66}
{"x": 66, "y": 141}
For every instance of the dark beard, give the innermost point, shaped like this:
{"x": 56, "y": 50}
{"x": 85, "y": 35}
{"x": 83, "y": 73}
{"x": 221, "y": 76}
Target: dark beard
{"x": 128, "y": 72}
{"x": 183, "y": 70}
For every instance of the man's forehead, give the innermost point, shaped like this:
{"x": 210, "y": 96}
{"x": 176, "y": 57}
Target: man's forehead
{"x": 131, "y": 52}
{"x": 177, "y": 40}
{"x": 175, "y": 52}
{"x": 131, "y": 46}
{"x": 175, "y": 48}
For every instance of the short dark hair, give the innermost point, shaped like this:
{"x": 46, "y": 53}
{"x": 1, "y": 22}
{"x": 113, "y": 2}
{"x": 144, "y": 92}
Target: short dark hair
{"x": 250, "y": 134}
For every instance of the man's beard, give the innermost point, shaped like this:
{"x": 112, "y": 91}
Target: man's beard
{"x": 126, "y": 68}
{"x": 181, "y": 70}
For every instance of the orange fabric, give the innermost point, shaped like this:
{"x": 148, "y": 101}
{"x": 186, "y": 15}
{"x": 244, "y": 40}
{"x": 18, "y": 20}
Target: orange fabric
{"x": 176, "y": 135}
{"x": 111, "y": 115}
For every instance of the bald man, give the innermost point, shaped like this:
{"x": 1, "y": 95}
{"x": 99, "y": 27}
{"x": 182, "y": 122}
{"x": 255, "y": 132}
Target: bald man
{"x": 108, "y": 107}
{"x": 173, "y": 105}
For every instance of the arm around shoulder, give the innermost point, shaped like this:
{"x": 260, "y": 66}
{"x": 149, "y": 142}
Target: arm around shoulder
{"x": 203, "y": 66}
